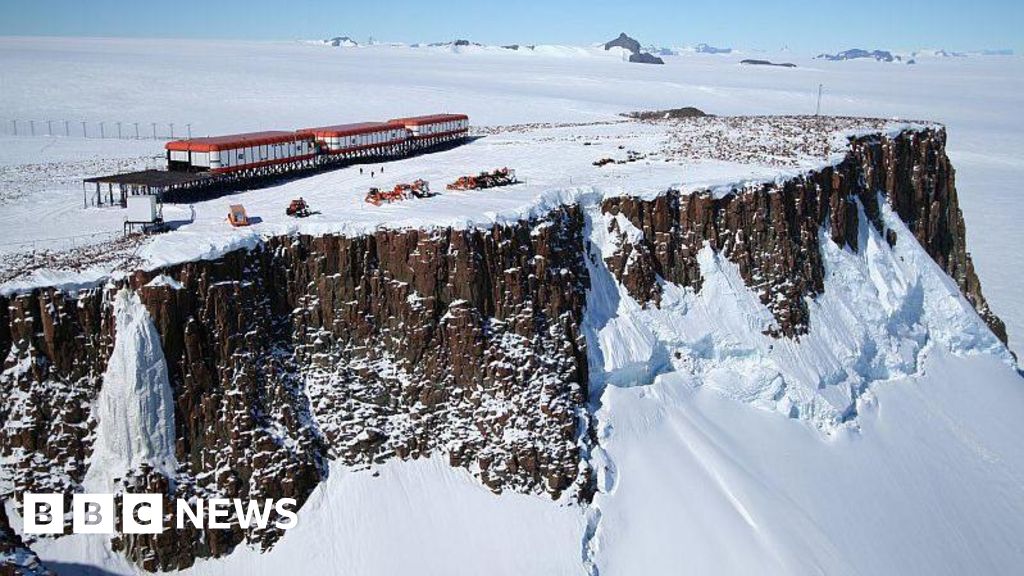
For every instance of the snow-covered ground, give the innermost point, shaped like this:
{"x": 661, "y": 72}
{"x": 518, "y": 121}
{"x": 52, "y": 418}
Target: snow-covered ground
{"x": 704, "y": 472}
{"x": 885, "y": 442}
{"x": 932, "y": 483}
{"x": 417, "y": 517}
{"x": 554, "y": 164}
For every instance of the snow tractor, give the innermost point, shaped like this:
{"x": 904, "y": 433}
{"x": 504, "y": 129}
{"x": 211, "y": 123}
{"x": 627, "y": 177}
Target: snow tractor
{"x": 499, "y": 177}
{"x": 418, "y": 189}
{"x": 298, "y": 208}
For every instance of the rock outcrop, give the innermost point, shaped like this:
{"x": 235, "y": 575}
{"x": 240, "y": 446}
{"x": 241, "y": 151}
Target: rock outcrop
{"x": 633, "y": 46}
{"x": 645, "y": 58}
{"x": 771, "y": 231}
{"x": 623, "y": 41}
{"x": 756, "y": 62}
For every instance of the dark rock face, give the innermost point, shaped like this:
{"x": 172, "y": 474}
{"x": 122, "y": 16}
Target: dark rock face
{"x": 771, "y": 232}
{"x": 55, "y": 347}
{"x": 623, "y": 41}
{"x": 17, "y": 559}
{"x": 415, "y": 342}
{"x": 402, "y": 344}
{"x": 645, "y": 58}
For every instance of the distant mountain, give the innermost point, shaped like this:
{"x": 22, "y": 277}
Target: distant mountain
{"x": 661, "y": 50}
{"x": 633, "y": 46}
{"x": 857, "y": 54}
{"x": 708, "y": 49}
{"x": 753, "y": 62}
{"x": 341, "y": 41}
{"x": 940, "y": 53}
{"x": 623, "y": 41}
{"x": 455, "y": 43}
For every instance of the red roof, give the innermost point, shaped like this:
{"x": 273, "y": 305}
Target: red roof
{"x": 350, "y": 129}
{"x": 230, "y": 141}
{"x": 429, "y": 119}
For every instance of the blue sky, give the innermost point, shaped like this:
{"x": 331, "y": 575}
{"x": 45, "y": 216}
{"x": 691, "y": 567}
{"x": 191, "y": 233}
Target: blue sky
{"x": 809, "y": 26}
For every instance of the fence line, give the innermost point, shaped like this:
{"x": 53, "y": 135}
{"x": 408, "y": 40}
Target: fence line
{"x": 116, "y": 130}
{"x": 64, "y": 242}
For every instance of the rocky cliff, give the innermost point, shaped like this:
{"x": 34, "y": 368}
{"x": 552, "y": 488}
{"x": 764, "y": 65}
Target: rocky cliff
{"x": 770, "y": 231}
{"x": 397, "y": 344}
{"x": 407, "y": 343}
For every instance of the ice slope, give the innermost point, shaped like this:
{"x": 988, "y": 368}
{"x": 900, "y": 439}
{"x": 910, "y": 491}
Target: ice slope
{"x": 135, "y": 405}
{"x": 416, "y": 517}
{"x": 885, "y": 441}
{"x": 932, "y": 483}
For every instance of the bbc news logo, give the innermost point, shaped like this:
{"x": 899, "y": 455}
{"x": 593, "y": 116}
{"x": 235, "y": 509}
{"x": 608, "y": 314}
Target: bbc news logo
{"x": 144, "y": 513}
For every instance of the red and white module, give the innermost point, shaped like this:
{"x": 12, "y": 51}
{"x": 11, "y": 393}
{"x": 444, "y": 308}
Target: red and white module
{"x": 240, "y": 152}
{"x": 436, "y": 127}
{"x": 352, "y": 139}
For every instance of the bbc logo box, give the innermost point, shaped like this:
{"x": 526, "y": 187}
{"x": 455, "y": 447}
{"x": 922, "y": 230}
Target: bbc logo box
{"x": 93, "y": 513}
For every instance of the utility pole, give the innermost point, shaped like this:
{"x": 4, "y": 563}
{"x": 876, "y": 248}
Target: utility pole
{"x": 15, "y": 124}
{"x": 817, "y": 111}
{"x": 188, "y": 127}
{"x": 85, "y": 133}
{"x": 49, "y": 127}
{"x": 67, "y": 129}
{"x": 171, "y": 124}
{"x": 136, "y": 124}
{"x": 118, "y": 130}
{"x": 153, "y": 124}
